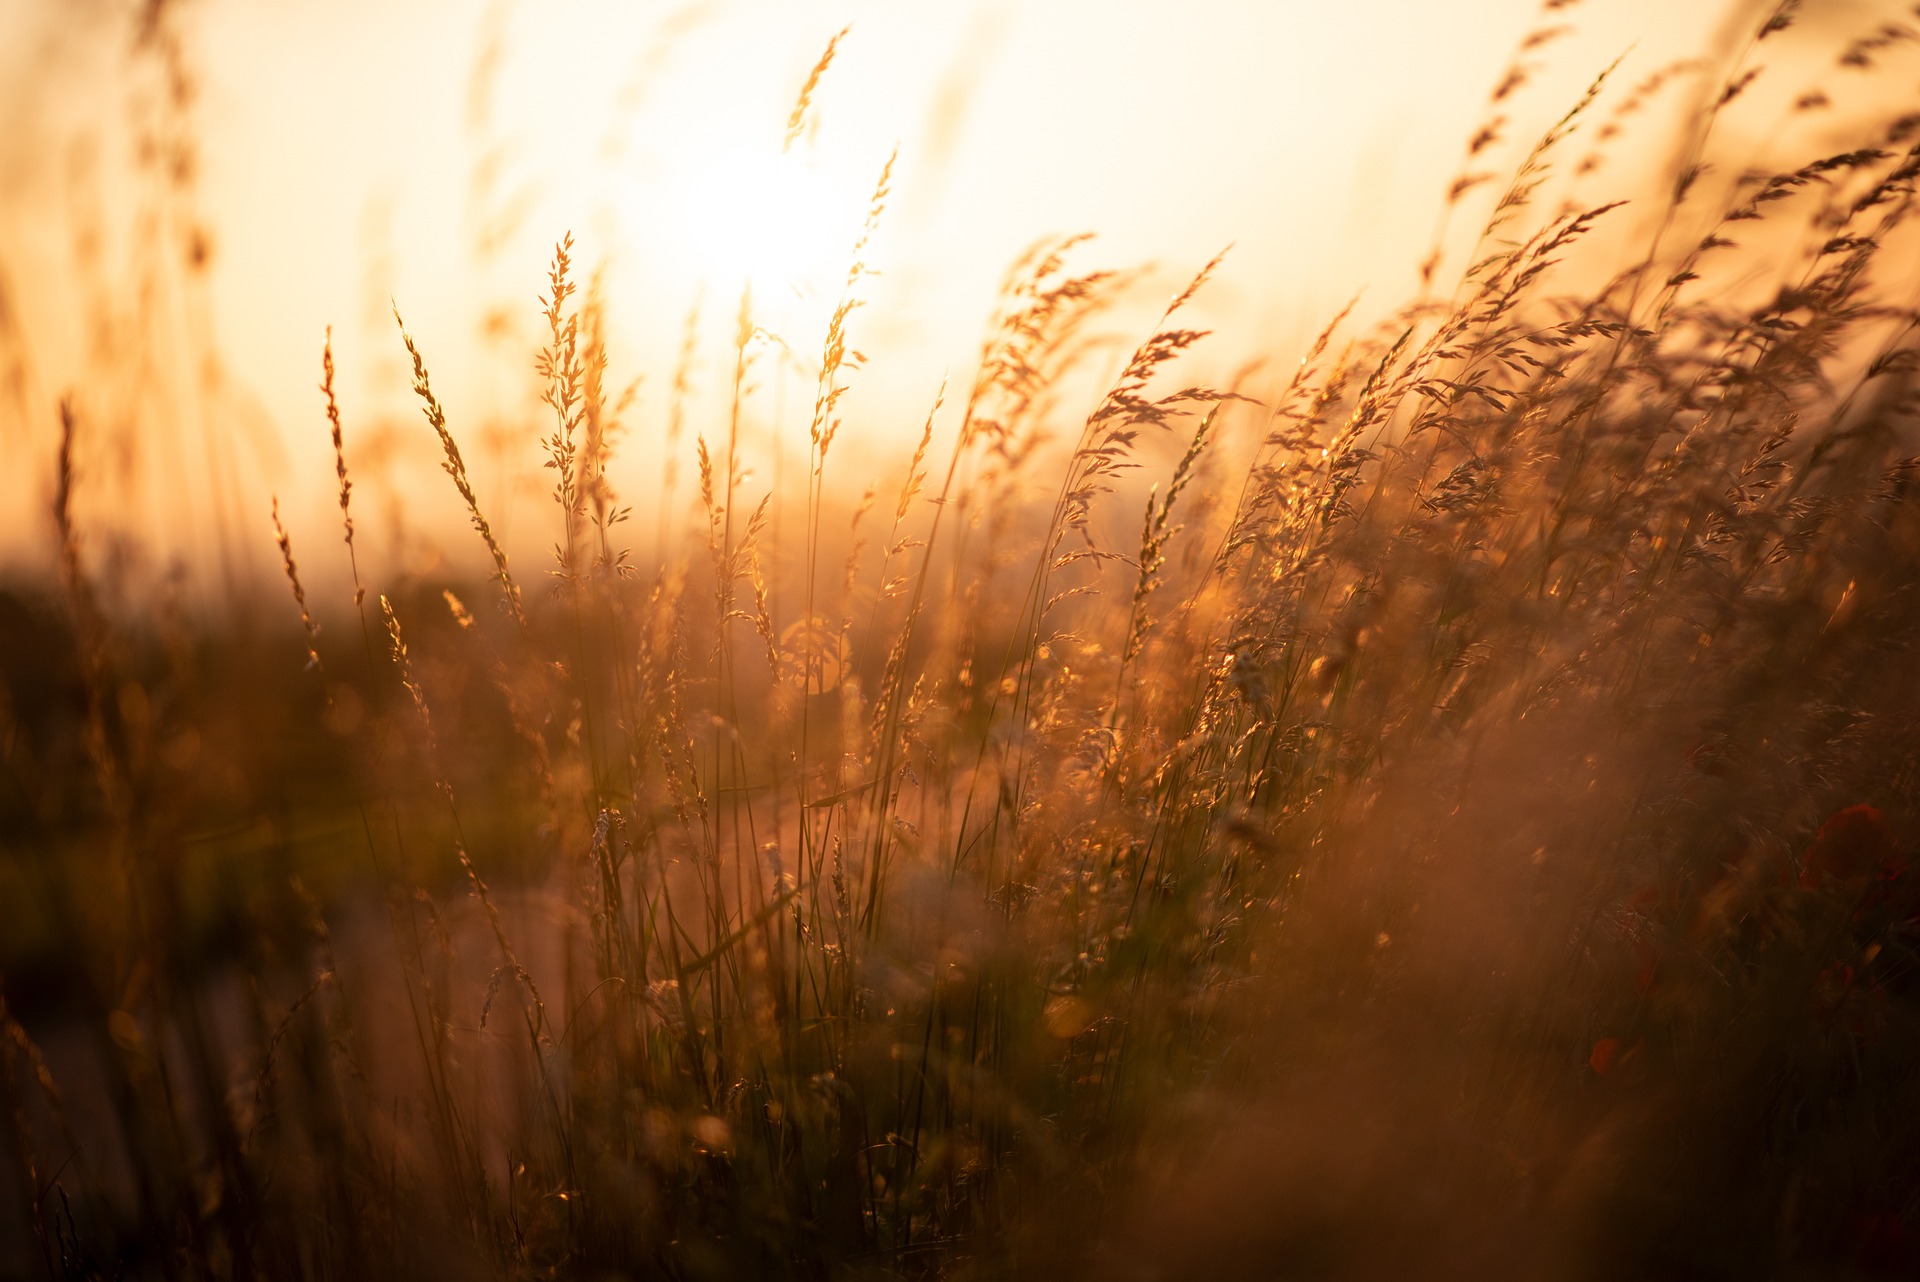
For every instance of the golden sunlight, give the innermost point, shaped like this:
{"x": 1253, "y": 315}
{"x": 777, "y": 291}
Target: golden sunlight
{"x": 324, "y": 173}
{"x": 858, "y": 641}
{"x": 762, "y": 217}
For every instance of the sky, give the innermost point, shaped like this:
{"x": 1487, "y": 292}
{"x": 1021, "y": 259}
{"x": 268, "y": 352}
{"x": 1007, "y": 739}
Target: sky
{"x": 350, "y": 157}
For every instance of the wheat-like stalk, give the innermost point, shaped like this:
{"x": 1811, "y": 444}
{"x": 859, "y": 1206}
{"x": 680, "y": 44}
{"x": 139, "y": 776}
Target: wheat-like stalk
{"x": 456, "y": 468}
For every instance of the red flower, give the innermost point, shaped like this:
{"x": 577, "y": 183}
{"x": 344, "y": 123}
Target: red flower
{"x": 1852, "y": 843}
{"x": 1604, "y": 1053}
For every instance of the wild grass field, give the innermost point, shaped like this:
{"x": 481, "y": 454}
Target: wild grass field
{"x": 1445, "y": 809}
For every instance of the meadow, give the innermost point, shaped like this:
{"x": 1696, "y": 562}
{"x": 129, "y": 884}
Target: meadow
{"x": 1445, "y": 808}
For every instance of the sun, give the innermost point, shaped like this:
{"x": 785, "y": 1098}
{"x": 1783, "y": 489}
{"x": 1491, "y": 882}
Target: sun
{"x": 765, "y": 218}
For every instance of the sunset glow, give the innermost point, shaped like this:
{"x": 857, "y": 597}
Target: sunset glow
{"x": 765, "y": 218}
{"x": 867, "y": 642}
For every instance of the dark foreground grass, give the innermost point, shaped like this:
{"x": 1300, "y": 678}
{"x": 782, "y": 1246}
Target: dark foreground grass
{"x": 1466, "y": 833}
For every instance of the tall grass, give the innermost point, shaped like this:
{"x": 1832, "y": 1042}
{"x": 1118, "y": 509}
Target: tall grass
{"x": 1466, "y": 831}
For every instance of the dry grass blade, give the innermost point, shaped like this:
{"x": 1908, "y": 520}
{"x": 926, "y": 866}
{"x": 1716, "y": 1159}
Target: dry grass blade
{"x": 797, "y": 120}
{"x": 307, "y": 625}
{"x": 456, "y": 467}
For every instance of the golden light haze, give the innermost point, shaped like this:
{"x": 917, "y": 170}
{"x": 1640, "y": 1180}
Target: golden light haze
{"x": 1391, "y": 754}
{"x": 341, "y": 158}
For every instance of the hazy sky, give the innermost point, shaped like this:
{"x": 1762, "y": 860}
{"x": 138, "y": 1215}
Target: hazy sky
{"x": 352, "y": 152}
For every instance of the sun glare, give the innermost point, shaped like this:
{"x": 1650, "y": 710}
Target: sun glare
{"x": 767, "y": 218}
